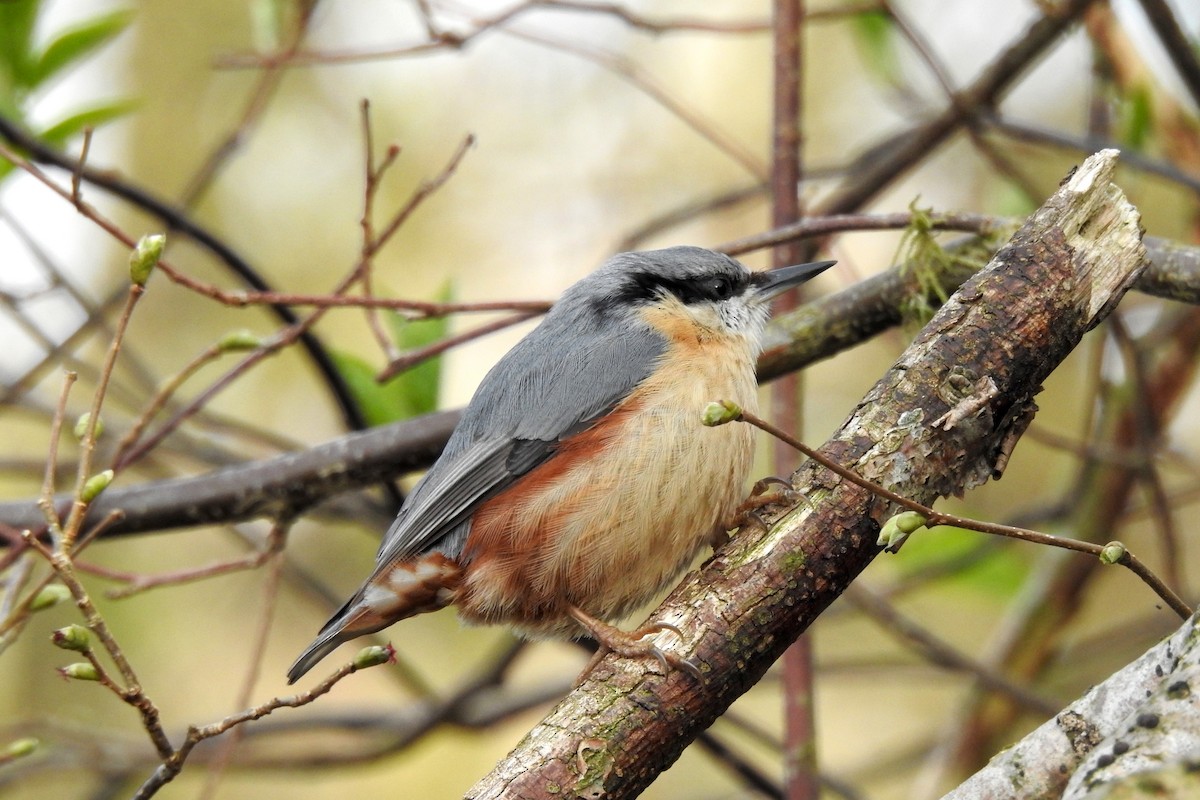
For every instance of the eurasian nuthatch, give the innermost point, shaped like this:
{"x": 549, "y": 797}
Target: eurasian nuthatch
{"x": 580, "y": 482}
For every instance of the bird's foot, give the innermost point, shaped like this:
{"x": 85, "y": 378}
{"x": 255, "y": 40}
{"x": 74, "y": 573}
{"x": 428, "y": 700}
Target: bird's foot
{"x": 765, "y": 492}
{"x": 631, "y": 644}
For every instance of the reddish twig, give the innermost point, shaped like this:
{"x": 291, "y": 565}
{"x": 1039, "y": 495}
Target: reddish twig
{"x": 416, "y": 356}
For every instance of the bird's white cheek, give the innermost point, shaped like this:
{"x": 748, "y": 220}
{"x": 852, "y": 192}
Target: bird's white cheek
{"x": 743, "y": 318}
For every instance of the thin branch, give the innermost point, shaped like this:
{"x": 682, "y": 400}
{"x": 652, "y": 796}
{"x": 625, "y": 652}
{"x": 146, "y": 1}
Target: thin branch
{"x": 290, "y": 335}
{"x": 936, "y": 518}
{"x": 256, "y": 105}
{"x": 46, "y": 500}
{"x": 373, "y": 176}
{"x": 136, "y": 583}
{"x": 941, "y": 654}
{"x": 416, "y": 356}
{"x": 270, "y": 593}
{"x": 74, "y": 520}
{"x": 176, "y": 221}
{"x": 160, "y": 399}
{"x": 1180, "y": 49}
{"x": 628, "y": 71}
{"x": 174, "y": 760}
{"x": 77, "y": 172}
{"x": 886, "y": 162}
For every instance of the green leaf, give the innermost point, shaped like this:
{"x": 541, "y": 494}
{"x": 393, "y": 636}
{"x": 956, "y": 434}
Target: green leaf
{"x": 420, "y": 383}
{"x": 58, "y": 133}
{"x": 380, "y": 403}
{"x": 412, "y": 392}
{"x": 17, "y": 20}
{"x": 76, "y": 43}
{"x": 1136, "y": 118}
{"x": 22, "y": 69}
{"x": 873, "y": 31}
{"x": 986, "y": 568}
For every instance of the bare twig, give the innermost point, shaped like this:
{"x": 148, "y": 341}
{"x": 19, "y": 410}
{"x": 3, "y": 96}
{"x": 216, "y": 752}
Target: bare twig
{"x": 77, "y": 172}
{"x": 136, "y": 583}
{"x": 176, "y": 221}
{"x": 46, "y": 500}
{"x": 174, "y": 759}
{"x": 270, "y": 592}
{"x": 883, "y": 164}
{"x": 290, "y": 335}
{"x": 936, "y": 518}
{"x": 373, "y": 176}
{"x": 416, "y": 356}
{"x": 1180, "y": 49}
{"x": 160, "y": 399}
{"x": 941, "y": 654}
{"x": 787, "y": 169}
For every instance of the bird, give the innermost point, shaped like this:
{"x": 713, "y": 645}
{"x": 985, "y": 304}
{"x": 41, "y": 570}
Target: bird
{"x": 579, "y": 481}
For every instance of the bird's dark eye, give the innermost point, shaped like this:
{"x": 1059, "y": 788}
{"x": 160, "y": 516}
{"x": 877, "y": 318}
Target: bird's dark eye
{"x": 719, "y": 288}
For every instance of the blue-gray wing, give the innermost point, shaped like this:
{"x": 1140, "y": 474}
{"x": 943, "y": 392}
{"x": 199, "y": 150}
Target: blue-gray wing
{"x": 569, "y": 371}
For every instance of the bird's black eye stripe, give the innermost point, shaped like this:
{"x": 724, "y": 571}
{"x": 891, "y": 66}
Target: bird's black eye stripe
{"x": 643, "y": 287}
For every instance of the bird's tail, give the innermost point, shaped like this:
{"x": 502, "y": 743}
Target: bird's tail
{"x": 400, "y": 590}
{"x": 340, "y": 628}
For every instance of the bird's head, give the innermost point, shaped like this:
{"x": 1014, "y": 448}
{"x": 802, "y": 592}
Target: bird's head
{"x": 687, "y": 291}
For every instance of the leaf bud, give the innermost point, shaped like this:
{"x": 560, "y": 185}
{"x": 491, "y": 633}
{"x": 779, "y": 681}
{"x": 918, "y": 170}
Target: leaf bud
{"x": 80, "y": 671}
{"x": 96, "y": 484}
{"x": 72, "y": 637}
{"x": 1112, "y": 553}
{"x": 720, "y": 413}
{"x": 374, "y": 656}
{"x": 143, "y": 258}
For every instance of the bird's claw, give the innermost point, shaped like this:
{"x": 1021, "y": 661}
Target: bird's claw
{"x": 765, "y": 492}
{"x": 632, "y": 644}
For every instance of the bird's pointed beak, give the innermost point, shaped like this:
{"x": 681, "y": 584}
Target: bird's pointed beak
{"x": 770, "y": 284}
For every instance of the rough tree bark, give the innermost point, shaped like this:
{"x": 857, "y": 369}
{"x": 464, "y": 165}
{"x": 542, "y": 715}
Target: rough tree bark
{"x": 1138, "y": 729}
{"x": 987, "y": 351}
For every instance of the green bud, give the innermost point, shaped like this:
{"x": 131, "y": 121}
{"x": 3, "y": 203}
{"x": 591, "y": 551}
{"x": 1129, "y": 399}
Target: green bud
{"x": 1112, "y": 553}
{"x": 50, "y": 595}
{"x": 892, "y": 535}
{"x": 72, "y": 637}
{"x": 145, "y": 256}
{"x": 720, "y": 413}
{"x": 239, "y": 340}
{"x": 374, "y": 656}
{"x": 81, "y": 425}
{"x": 21, "y": 748}
{"x": 80, "y": 671}
{"x": 96, "y": 484}
{"x": 909, "y": 521}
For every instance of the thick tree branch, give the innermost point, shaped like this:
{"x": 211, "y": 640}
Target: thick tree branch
{"x": 1139, "y": 722}
{"x": 281, "y": 486}
{"x": 1011, "y": 324}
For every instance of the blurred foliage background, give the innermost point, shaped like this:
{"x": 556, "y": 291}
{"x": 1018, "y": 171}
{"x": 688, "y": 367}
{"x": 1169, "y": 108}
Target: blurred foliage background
{"x": 593, "y": 130}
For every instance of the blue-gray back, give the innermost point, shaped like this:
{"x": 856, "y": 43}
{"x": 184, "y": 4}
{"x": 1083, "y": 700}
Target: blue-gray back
{"x": 585, "y": 357}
